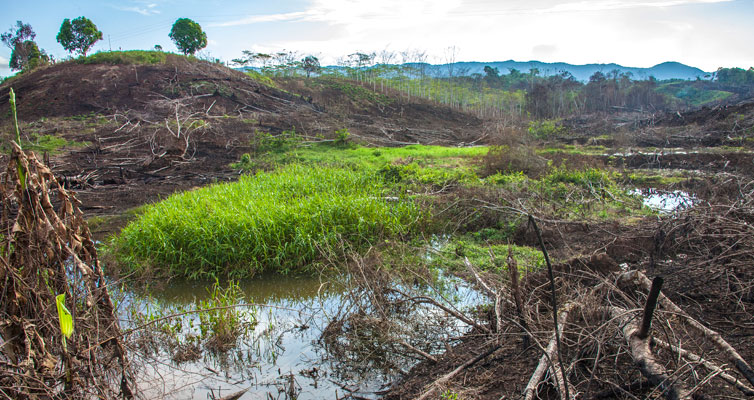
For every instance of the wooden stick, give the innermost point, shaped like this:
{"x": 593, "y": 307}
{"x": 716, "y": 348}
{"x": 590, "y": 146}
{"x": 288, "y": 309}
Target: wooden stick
{"x": 447, "y": 377}
{"x": 546, "y": 361}
{"x": 553, "y": 300}
{"x": 649, "y": 308}
{"x": 513, "y": 269}
{"x": 418, "y": 351}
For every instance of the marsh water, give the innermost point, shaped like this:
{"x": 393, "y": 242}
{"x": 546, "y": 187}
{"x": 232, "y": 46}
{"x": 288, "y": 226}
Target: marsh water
{"x": 665, "y": 201}
{"x": 282, "y": 354}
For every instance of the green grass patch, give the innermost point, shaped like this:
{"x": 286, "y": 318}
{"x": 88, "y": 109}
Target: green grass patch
{"x": 44, "y": 143}
{"x": 261, "y": 78}
{"x": 477, "y": 250}
{"x": 284, "y": 150}
{"x": 278, "y": 221}
{"x": 129, "y": 57}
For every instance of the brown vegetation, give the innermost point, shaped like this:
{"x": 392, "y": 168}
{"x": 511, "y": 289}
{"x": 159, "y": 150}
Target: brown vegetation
{"x": 47, "y": 252}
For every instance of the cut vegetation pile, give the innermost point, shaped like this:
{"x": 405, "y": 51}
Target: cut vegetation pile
{"x": 48, "y": 262}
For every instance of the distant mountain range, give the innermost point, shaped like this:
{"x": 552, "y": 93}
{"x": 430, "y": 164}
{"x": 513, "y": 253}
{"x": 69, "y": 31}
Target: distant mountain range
{"x": 666, "y": 70}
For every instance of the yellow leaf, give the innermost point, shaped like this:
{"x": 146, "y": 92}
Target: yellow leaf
{"x": 66, "y": 320}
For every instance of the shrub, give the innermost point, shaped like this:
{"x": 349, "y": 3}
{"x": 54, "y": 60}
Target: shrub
{"x": 545, "y": 129}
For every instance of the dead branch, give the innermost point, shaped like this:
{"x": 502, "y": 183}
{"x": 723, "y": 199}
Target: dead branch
{"x": 553, "y": 298}
{"x": 640, "y": 352}
{"x": 638, "y": 278}
{"x": 443, "y": 380}
{"x": 547, "y": 360}
{"x": 418, "y": 351}
{"x": 649, "y": 308}
{"x": 513, "y": 268}
{"x": 707, "y": 364}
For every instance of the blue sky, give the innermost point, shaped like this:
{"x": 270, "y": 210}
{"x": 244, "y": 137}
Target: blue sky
{"x": 704, "y": 33}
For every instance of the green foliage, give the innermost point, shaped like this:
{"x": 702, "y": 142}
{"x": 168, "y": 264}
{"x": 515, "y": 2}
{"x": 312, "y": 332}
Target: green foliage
{"x": 188, "y": 36}
{"x": 79, "y": 35}
{"x": 694, "y": 93}
{"x": 735, "y": 76}
{"x": 477, "y": 247}
{"x": 449, "y": 394}
{"x": 220, "y": 319}
{"x": 261, "y": 78}
{"x": 137, "y": 57}
{"x": 545, "y": 129}
{"x": 310, "y": 64}
{"x": 27, "y": 56}
{"x": 264, "y": 142}
{"x": 341, "y": 136}
{"x": 279, "y": 221}
{"x": 48, "y": 143}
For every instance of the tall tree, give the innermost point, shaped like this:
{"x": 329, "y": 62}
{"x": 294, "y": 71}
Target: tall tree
{"x": 24, "y": 51}
{"x": 79, "y": 35}
{"x": 27, "y": 55}
{"x": 188, "y": 36}
{"x": 310, "y": 64}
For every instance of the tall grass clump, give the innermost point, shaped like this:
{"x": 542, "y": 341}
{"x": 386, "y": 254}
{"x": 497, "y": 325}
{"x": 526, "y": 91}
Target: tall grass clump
{"x": 277, "y": 221}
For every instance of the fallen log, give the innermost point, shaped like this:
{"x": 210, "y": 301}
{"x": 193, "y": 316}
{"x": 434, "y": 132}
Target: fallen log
{"x": 638, "y": 278}
{"x": 732, "y": 380}
{"x": 640, "y": 352}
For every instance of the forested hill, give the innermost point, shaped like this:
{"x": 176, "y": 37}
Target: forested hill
{"x": 664, "y": 71}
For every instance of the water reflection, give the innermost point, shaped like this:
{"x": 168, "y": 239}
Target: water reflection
{"x": 283, "y": 354}
{"x": 665, "y": 201}
{"x": 274, "y": 358}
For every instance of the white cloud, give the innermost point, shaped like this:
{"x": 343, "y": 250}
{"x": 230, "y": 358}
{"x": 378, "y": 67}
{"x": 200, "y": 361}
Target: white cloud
{"x": 255, "y": 19}
{"x": 604, "y": 5}
{"x": 631, "y": 32}
{"x": 147, "y": 10}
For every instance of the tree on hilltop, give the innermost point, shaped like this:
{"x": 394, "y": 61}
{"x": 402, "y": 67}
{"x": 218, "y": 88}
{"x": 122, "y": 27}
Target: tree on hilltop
{"x": 310, "y": 64}
{"x": 79, "y": 35}
{"x": 188, "y": 36}
{"x": 25, "y": 54}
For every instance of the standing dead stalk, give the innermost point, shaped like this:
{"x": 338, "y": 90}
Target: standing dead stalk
{"x": 553, "y": 299}
{"x": 649, "y": 308}
{"x": 513, "y": 269}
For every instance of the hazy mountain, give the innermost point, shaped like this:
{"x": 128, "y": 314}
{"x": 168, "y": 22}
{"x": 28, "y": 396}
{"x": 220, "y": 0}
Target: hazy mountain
{"x": 666, "y": 70}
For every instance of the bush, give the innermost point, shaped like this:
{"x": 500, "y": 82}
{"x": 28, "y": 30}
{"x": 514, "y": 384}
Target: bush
{"x": 509, "y": 159}
{"x": 545, "y": 129}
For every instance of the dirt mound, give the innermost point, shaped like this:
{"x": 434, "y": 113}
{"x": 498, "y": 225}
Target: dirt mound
{"x": 143, "y": 131}
{"x": 70, "y": 88}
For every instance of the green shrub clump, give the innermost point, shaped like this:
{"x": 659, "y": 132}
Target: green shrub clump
{"x": 137, "y": 57}
{"x": 278, "y": 221}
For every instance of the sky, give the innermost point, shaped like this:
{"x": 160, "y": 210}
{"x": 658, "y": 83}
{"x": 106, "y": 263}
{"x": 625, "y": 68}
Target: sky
{"x": 638, "y": 33}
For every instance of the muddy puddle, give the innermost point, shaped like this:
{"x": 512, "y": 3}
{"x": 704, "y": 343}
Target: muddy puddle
{"x": 666, "y": 201}
{"x": 281, "y": 355}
